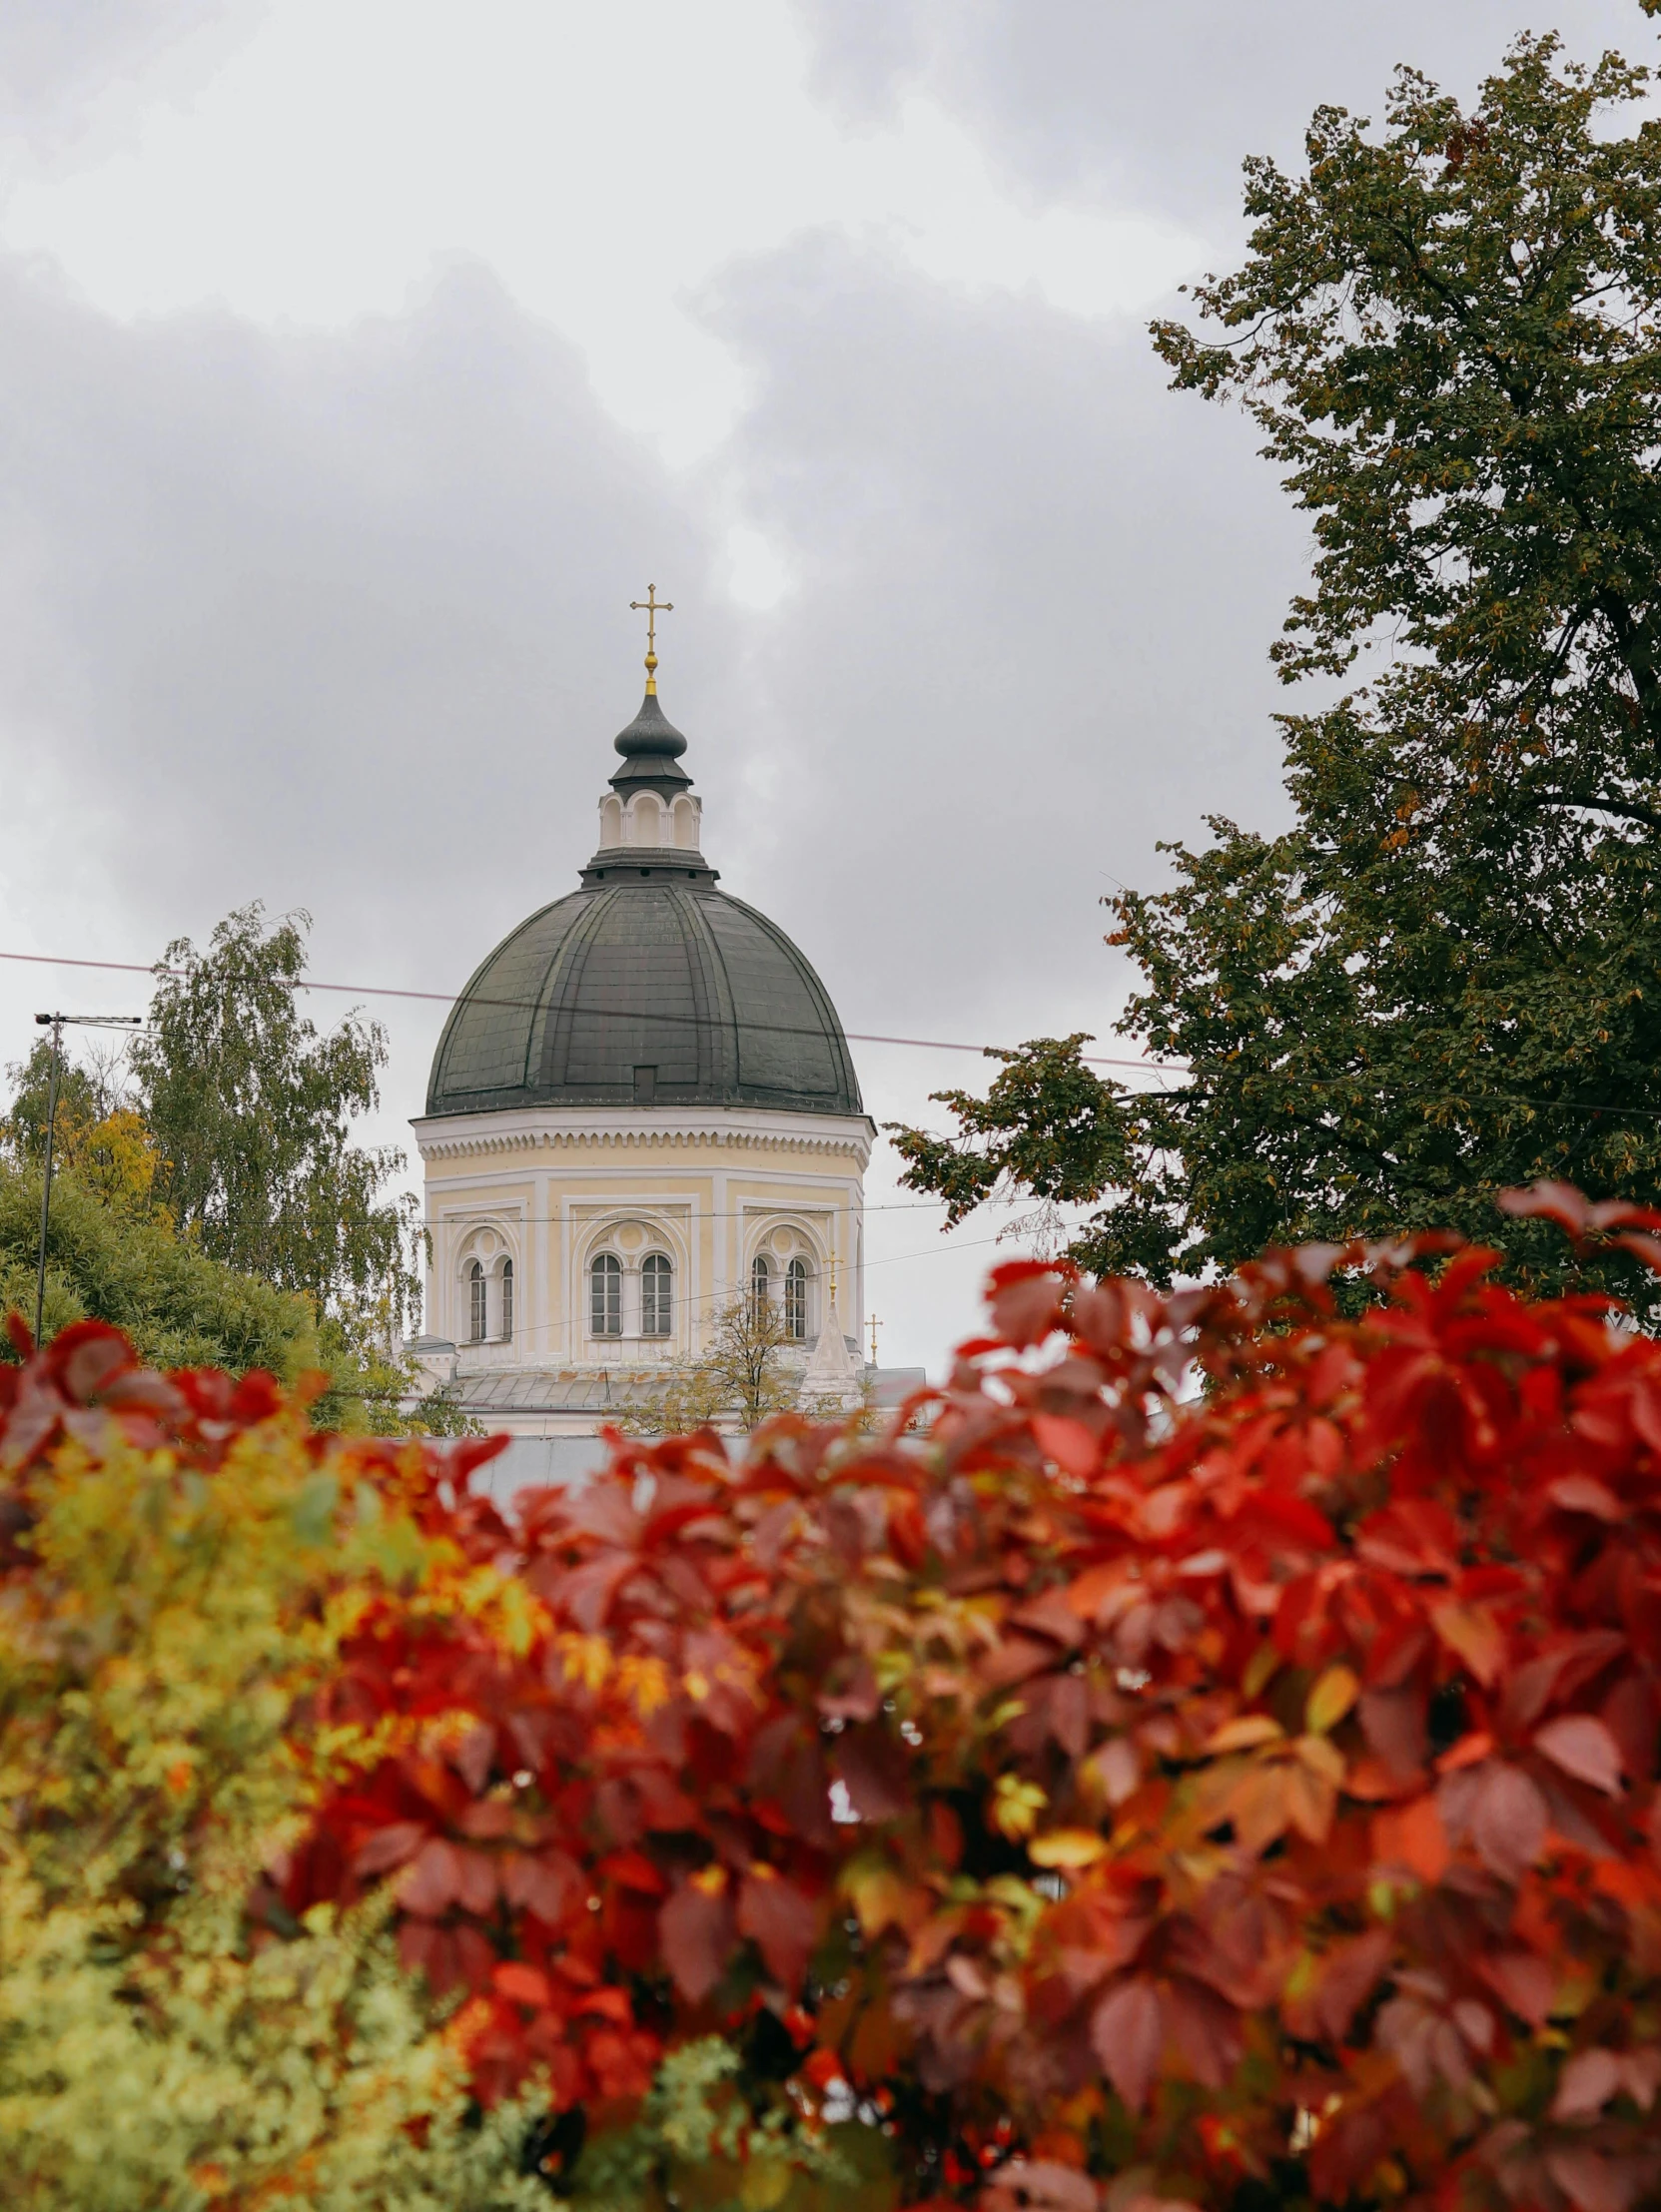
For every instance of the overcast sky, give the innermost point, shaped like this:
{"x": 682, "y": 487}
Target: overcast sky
{"x": 360, "y": 360}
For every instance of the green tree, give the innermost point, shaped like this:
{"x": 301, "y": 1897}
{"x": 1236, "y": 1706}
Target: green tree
{"x": 105, "y": 1263}
{"x": 180, "y": 1309}
{"x": 167, "y": 1243}
{"x": 94, "y": 1082}
{"x": 251, "y": 1108}
{"x": 100, "y": 1134}
{"x": 1441, "y": 980}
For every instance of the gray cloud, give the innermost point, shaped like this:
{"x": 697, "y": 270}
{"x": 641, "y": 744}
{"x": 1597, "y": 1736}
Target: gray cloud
{"x": 57, "y": 55}
{"x": 1029, "y": 635}
{"x": 320, "y": 618}
{"x": 340, "y": 620}
{"x": 1156, "y": 106}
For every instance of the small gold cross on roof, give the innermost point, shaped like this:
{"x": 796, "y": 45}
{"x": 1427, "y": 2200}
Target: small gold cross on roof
{"x": 651, "y": 606}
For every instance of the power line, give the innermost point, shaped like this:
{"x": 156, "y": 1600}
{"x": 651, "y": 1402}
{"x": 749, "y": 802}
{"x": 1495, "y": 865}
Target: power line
{"x": 1198, "y": 1068}
{"x": 732, "y": 1213}
{"x": 732, "y": 1296}
{"x": 621, "y": 1013}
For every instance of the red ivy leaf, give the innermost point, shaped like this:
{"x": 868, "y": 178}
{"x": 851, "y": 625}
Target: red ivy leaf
{"x": 1581, "y": 1745}
{"x": 1508, "y": 1819}
{"x": 1126, "y": 2032}
{"x": 697, "y": 1930}
{"x": 389, "y": 1847}
{"x": 782, "y": 1923}
{"x": 434, "y": 1883}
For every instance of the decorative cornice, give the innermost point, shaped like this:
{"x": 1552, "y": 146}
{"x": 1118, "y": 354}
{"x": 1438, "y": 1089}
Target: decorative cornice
{"x": 629, "y": 862}
{"x": 474, "y": 1135}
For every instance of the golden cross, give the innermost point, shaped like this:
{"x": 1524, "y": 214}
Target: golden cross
{"x": 651, "y": 606}
{"x": 875, "y": 1325}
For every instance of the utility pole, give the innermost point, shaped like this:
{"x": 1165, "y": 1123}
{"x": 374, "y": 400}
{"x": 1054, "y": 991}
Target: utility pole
{"x": 55, "y": 1023}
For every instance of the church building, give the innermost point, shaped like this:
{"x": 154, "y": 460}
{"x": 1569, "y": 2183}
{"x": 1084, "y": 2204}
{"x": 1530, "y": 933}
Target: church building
{"x": 643, "y": 1106}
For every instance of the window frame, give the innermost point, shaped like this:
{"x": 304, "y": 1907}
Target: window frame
{"x": 657, "y": 1278}
{"x": 605, "y": 1295}
{"x": 795, "y": 1299}
{"x": 505, "y": 1293}
{"x": 479, "y": 1309}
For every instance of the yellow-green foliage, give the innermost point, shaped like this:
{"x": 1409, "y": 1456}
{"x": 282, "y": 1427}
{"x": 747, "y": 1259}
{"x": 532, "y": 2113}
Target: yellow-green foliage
{"x": 153, "y": 1650}
{"x": 697, "y": 2144}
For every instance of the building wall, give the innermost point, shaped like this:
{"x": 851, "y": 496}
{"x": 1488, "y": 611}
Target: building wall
{"x": 709, "y": 1187}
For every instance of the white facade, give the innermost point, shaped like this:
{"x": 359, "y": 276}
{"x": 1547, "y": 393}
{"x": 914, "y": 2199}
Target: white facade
{"x": 535, "y": 1215}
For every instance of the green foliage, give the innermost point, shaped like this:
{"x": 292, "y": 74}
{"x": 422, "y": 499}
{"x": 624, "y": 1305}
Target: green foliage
{"x": 90, "y": 1086}
{"x": 228, "y": 1123}
{"x": 1449, "y": 337}
{"x": 97, "y": 1128}
{"x": 698, "y": 2142}
{"x": 184, "y": 1309}
{"x": 1045, "y": 1125}
{"x": 251, "y": 1108}
{"x": 122, "y": 2085}
{"x": 180, "y": 1307}
{"x": 1440, "y": 982}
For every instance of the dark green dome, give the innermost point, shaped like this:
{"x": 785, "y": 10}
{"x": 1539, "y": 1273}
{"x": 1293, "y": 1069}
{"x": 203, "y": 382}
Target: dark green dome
{"x": 642, "y": 988}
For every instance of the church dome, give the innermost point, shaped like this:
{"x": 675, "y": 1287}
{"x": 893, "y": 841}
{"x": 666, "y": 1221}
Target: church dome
{"x": 648, "y": 985}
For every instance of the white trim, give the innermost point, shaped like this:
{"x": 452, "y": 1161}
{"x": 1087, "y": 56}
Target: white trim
{"x": 542, "y": 1273}
{"x": 463, "y": 1225}
{"x": 519, "y": 1128}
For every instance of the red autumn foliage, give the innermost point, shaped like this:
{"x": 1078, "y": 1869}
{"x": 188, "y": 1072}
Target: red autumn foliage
{"x": 1222, "y": 1753}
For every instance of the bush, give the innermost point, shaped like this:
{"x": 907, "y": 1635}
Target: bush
{"x": 178, "y": 1562}
{"x": 1236, "y": 1790}
{"x": 1216, "y": 1764}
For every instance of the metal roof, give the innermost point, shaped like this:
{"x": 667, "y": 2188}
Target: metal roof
{"x": 640, "y": 972}
{"x": 556, "y": 1390}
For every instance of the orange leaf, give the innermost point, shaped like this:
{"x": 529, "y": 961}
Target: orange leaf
{"x": 1412, "y": 1836}
{"x": 1473, "y": 1633}
{"x": 1245, "y": 1734}
{"x": 1067, "y": 1847}
{"x": 523, "y": 1984}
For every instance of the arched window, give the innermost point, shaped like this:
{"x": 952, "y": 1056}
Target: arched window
{"x": 655, "y": 1279}
{"x": 507, "y": 1300}
{"x": 795, "y": 1299}
{"x": 476, "y": 1299}
{"x": 761, "y": 1283}
{"x": 605, "y": 1295}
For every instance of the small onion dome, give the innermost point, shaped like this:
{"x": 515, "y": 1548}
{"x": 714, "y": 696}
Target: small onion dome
{"x": 651, "y": 747}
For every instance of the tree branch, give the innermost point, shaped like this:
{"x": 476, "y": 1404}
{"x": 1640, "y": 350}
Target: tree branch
{"x": 1624, "y": 809}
